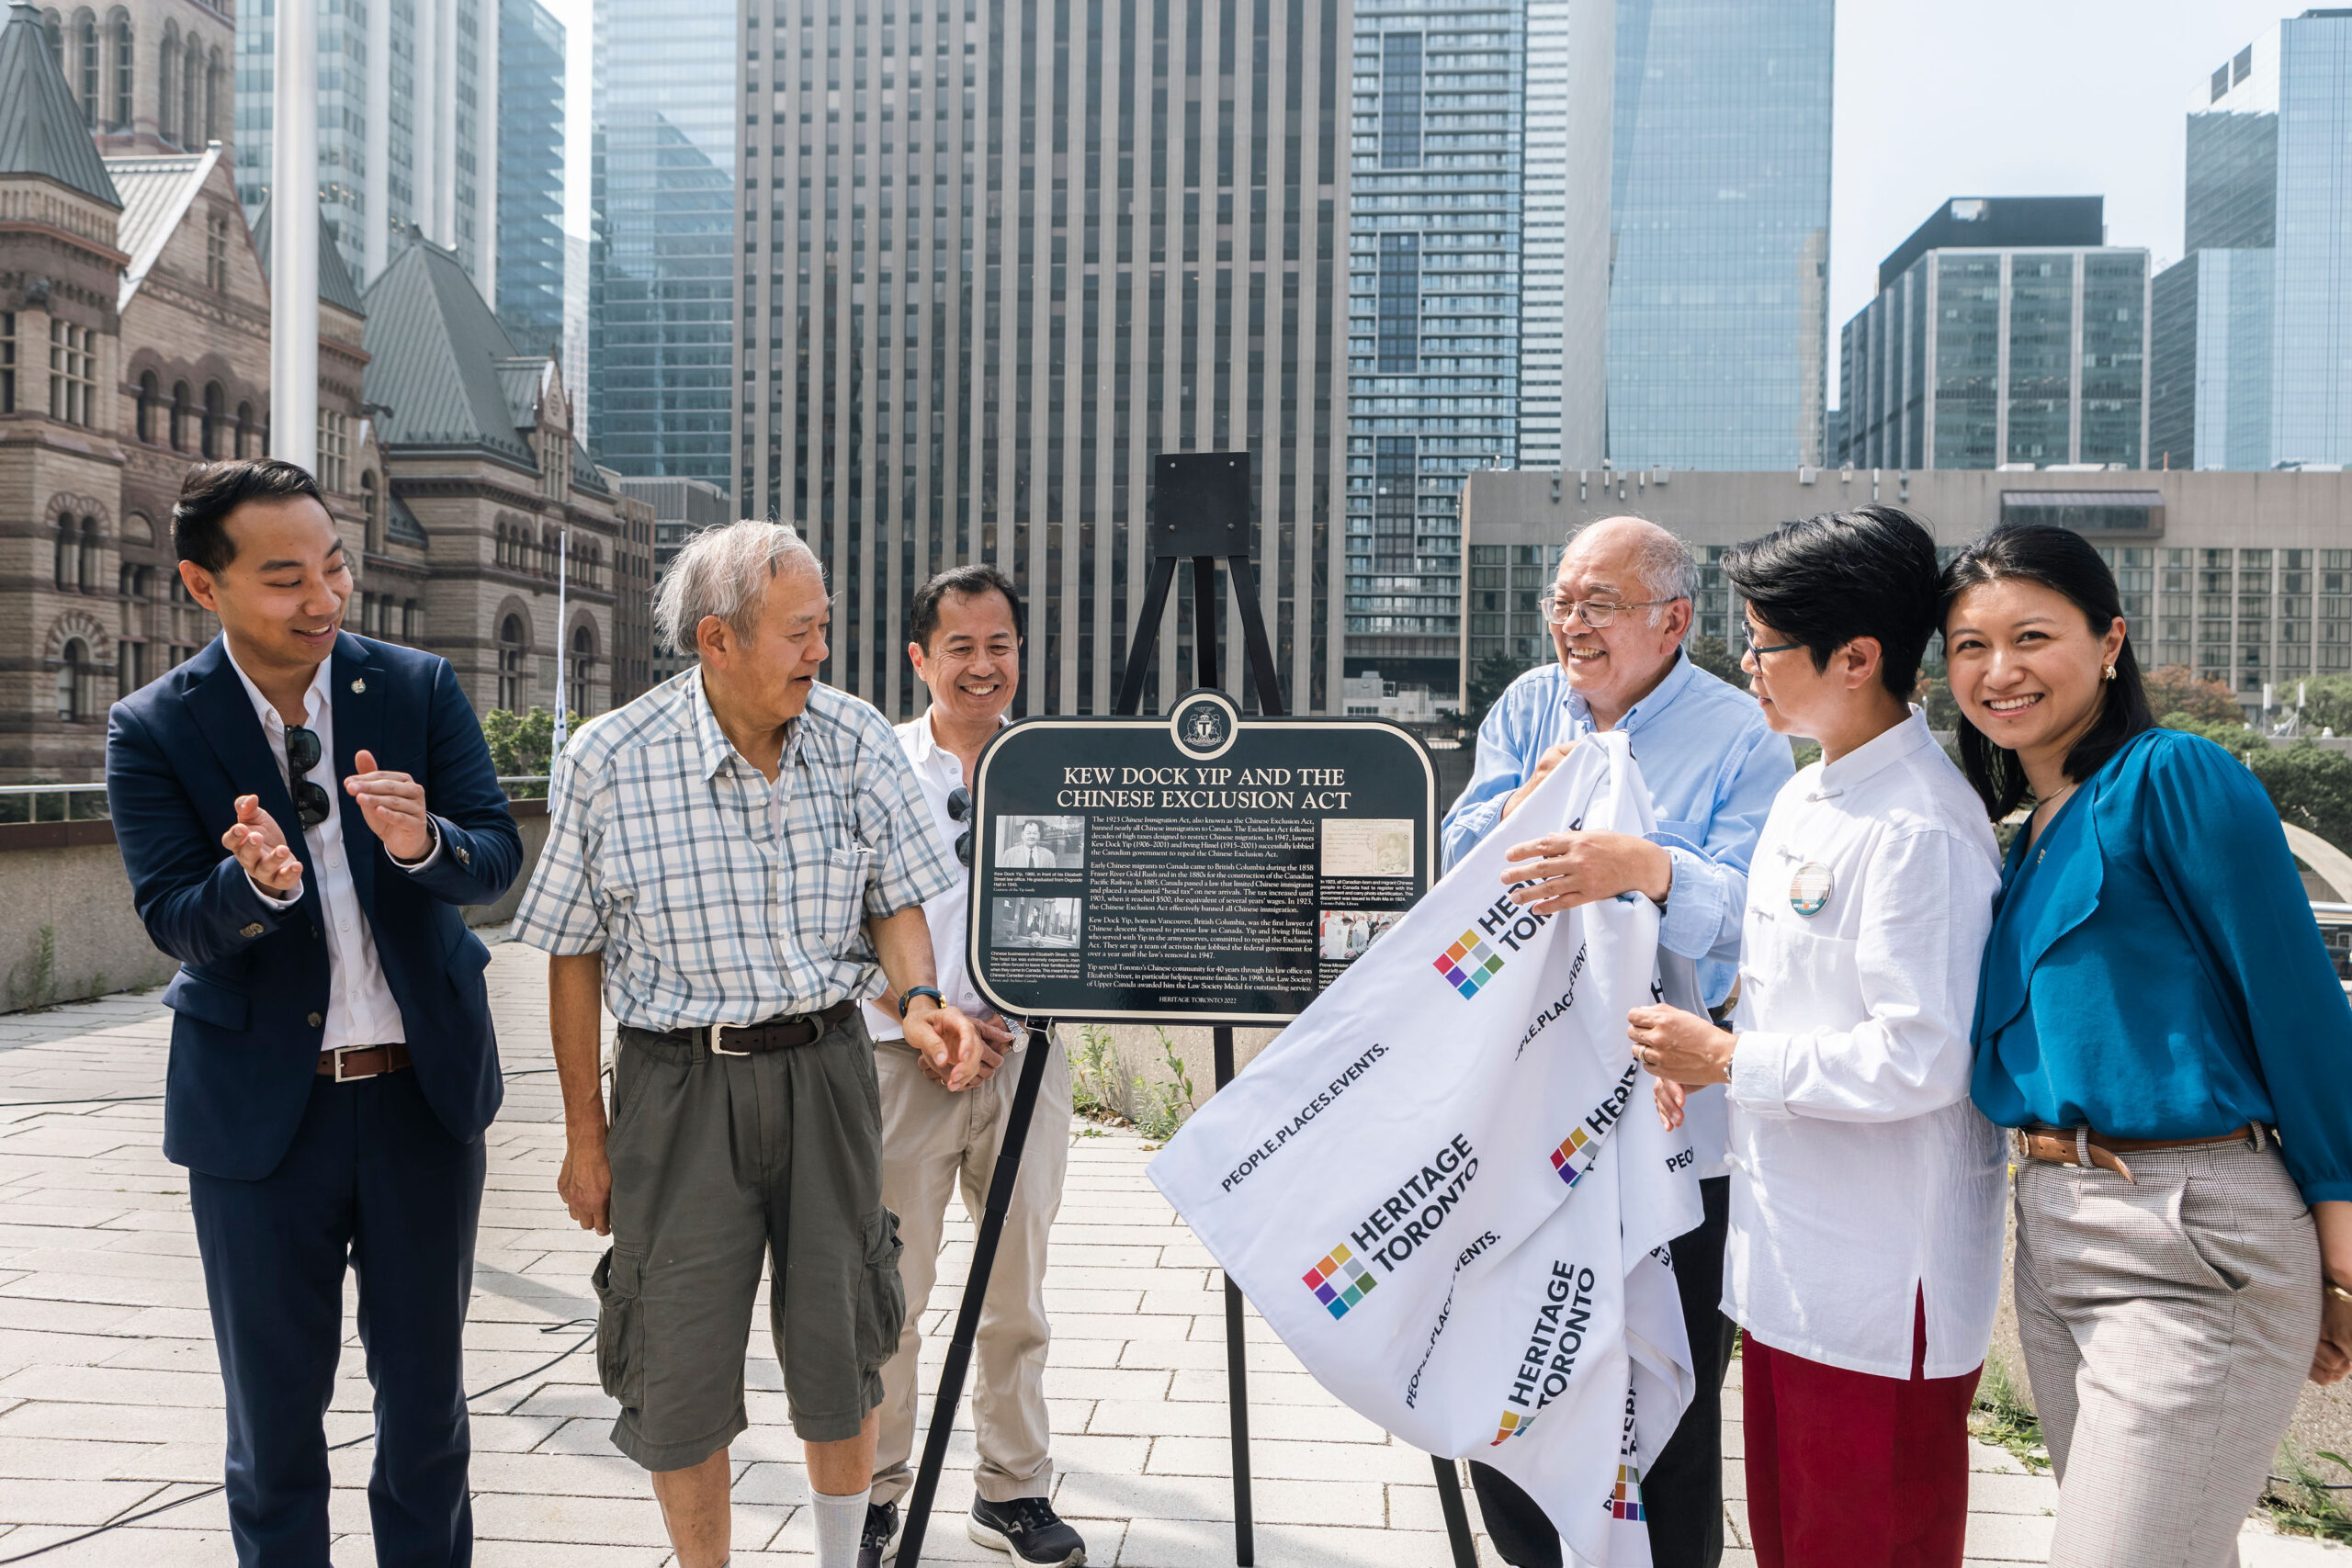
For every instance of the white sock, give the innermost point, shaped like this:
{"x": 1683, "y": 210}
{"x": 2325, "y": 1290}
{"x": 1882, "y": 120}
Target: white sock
{"x": 840, "y": 1521}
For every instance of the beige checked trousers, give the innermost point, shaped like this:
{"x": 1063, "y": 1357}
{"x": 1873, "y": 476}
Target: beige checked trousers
{"x": 934, "y": 1144}
{"x": 2168, "y": 1326}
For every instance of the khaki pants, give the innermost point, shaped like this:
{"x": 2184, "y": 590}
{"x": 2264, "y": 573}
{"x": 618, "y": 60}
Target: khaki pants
{"x": 933, "y": 1144}
{"x": 2168, "y": 1326}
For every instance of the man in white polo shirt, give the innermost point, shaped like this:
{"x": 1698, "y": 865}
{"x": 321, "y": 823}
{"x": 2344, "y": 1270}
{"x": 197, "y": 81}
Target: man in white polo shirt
{"x": 966, "y": 649}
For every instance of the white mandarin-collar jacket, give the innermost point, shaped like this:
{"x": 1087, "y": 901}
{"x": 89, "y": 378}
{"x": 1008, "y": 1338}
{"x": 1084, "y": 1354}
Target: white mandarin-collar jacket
{"x": 1862, "y": 1175}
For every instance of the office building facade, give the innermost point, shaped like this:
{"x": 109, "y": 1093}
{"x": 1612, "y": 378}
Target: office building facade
{"x": 1719, "y": 285}
{"x": 2243, "y": 577}
{"x": 663, "y": 256}
{"x": 682, "y": 508}
{"x": 2004, "y": 334}
{"x": 407, "y": 118}
{"x": 1434, "y": 322}
{"x": 2311, "y": 331}
{"x": 1002, "y": 255}
{"x": 1564, "y": 229}
{"x": 530, "y": 297}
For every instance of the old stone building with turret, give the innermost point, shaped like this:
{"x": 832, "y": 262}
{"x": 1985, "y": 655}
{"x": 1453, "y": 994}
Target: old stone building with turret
{"x": 134, "y": 340}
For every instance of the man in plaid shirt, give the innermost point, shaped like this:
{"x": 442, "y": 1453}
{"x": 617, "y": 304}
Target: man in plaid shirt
{"x": 734, "y": 862}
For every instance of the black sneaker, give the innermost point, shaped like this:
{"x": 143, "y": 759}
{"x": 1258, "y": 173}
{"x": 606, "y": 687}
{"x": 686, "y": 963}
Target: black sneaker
{"x": 879, "y": 1542}
{"x": 1030, "y": 1529}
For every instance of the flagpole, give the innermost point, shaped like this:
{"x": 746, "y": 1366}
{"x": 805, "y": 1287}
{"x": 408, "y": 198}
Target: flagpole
{"x": 562, "y": 714}
{"x": 294, "y": 236}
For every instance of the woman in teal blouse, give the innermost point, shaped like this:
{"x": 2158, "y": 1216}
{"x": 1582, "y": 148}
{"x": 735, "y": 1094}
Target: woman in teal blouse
{"x": 2159, "y": 1016}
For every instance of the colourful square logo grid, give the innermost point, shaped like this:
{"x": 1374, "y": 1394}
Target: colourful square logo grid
{"x": 1625, "y": 1502}
{"x": 1340, "y": 1281}
{"x": 1468, "y": 964}
{"x": 1563, "y": 1158}
{"x": 1511, "y": 1426}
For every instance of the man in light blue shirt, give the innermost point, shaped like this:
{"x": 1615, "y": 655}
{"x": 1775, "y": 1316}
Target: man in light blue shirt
{"x": 1619, "y": 610}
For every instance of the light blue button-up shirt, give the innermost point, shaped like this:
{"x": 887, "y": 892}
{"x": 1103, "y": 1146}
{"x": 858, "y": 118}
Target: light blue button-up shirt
{"x": 1712, "y": 766}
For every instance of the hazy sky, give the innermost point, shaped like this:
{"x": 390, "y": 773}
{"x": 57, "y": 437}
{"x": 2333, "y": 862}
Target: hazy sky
{"x": 1936, "y": 98}
{"x": 1940, "y": 99}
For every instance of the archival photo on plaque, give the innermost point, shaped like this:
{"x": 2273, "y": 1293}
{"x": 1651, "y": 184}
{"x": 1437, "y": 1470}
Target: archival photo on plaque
{"x": 1041, "y": 843}
{"x": 1201, "y": 863}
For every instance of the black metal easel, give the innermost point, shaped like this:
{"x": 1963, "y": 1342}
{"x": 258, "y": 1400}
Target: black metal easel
{"x": 1201, "y": 513}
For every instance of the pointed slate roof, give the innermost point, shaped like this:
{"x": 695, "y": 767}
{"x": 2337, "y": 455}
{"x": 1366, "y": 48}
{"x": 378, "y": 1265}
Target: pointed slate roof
{"x": 41, "y": 128}
{"x": 336, "y": 286}
{"x": 434, "y": 350}
{"x": 155, "y": 192}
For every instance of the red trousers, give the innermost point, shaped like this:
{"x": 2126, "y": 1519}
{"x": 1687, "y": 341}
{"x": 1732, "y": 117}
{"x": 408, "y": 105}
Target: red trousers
{"x": 1845, "y": 1469}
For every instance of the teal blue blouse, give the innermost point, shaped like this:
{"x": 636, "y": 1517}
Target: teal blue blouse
{"x": 2155, "y": 971}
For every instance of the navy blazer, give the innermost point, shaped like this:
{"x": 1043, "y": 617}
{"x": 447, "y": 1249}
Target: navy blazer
{"x": 251, "y": 995}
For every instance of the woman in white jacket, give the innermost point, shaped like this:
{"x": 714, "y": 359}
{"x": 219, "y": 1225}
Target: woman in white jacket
{"x": 1863, "y": 1263}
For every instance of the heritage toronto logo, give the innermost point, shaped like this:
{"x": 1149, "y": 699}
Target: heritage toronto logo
{"x": 1340, "y": 1281}
{"x": 1570, "y": 1160}
{"x": 1626, "y": 1500}
{"x": 1553, "y": 1343}
{"x": 1468, "y": 964}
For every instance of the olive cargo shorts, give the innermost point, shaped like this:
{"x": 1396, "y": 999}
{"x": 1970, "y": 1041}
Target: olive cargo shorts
{"x": 716, "y": 1160}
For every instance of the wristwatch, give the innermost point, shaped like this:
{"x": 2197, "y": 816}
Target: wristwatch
{"x": 908, "y": 999}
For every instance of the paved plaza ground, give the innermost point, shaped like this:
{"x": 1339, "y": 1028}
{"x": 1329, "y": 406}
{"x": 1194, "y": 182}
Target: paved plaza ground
{"x": 110, "y": 1396}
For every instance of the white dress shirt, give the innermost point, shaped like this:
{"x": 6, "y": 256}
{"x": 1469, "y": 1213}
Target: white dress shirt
{"x": 360, "y": 1008}
{"x": 939, "y": 774}
{"x": 1863, "y": 1174}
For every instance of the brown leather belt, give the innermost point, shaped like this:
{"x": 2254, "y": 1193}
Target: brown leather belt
{"x": 2081, "y": 1146}
{"x": 353, "y": 1063}
{"x": 780, "y": 1033}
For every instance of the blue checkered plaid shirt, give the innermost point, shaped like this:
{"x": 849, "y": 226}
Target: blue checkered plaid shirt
{"x": 715, "y": 897}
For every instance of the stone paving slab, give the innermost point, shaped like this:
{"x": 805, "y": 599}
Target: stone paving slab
{"x": 110, "y": 1397}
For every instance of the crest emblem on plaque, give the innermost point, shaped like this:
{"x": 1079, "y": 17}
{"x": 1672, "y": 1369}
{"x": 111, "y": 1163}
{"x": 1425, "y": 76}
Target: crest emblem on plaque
{"x": 1204, "y": 724}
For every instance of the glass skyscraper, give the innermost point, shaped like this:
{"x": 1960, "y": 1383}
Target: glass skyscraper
{"x": 1434, "y": 320}
{"x": 1719, "y": 298}
{"x": 1005, "y": 253}
{"x": 2004, "y": 332}
{"x": 530, "y": 177}
{"x": 407, "y": 90}
{"x": 2311, "y": 334}
{"x": 661, "y": 293}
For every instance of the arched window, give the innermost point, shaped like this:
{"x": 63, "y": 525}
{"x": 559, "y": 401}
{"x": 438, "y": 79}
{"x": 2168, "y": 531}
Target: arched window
{"x": 412, "y": 622}
{"x": 582, "y": 660}
{"x": 216, "y": 416}
{"x": 92, "y": 72}
{"x": 371, "y": 513}
{"x": 212, "y": 97}
{"x": 510, "y": 664}
{"x": 68, "y": 570}
{"x": 87, "y": 575}
{"x": 179, "y": 416}
{"x": 192, "y": 104}
{"x": 245, "y": 431}
{"x": 53, "y": 29}
{"x": 124, "y": 75}
{"x": 167, "y": 84}
{"x": 151, "y": 393}
{"x": 73, "y": 674}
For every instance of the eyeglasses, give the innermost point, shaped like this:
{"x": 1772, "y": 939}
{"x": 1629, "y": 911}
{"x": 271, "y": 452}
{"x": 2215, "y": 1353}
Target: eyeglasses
{"x": 1747, "y": 635}
{"x": 311, "y": 802}
{"x": 959, "y": 806}
{"x": 1598, "y": 613}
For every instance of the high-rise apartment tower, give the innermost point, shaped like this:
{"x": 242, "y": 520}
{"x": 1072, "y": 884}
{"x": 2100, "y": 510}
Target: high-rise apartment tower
{"x": 999, "y": 254}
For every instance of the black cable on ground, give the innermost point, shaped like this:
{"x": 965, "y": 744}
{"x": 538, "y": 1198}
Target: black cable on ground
{"x": 114, "y": 1524}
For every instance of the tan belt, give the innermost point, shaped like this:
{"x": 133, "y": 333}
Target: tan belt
{"x": 354, "y": 1062}
{"x": 2082, "y": 1146}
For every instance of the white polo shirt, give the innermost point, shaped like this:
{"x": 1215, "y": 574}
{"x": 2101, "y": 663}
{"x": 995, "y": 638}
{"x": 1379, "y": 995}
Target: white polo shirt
{"x": 939, "y": 772}
{"x": 1862, "y": 1173}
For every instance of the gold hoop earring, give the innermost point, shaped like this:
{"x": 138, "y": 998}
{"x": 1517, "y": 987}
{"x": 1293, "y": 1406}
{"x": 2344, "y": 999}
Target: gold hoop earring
{"x": 2111, "y": 673}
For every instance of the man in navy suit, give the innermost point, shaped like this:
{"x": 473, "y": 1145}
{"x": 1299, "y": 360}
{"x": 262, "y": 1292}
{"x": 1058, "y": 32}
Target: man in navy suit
{"x": 333, "y": 1065}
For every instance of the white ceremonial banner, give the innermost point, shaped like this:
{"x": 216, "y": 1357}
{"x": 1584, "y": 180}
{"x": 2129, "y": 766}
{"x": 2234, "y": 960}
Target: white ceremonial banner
{"x": 1445, "y": 1188}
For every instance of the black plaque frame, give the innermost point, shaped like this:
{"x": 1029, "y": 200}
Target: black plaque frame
{"x": 1424, "y": 872}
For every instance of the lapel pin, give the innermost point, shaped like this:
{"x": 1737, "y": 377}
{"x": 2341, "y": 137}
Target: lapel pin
{"x": 1809, "y": 889}
{"x": 358, "y": 686}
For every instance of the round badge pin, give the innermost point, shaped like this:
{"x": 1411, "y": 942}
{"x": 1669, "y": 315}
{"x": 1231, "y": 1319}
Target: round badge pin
{"x": 1809, "y": 889}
